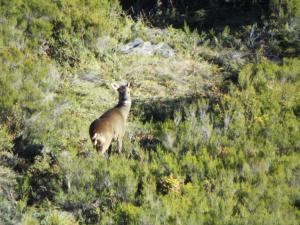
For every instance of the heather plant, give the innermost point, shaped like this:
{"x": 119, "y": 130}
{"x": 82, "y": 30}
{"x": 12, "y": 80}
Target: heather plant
{"x": 212, "y": 136}
{"x": 9, "y": 211}
{"x": 52, "y": 217}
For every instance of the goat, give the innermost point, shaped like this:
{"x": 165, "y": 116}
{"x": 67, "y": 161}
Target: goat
{"x": 111, "y": 125}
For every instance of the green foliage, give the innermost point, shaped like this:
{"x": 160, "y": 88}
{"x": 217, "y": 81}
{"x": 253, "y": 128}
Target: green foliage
{"x": 9, "y": 213}
{"x": 94, "y": 186}
{"x": 61, "y": 29}
{"x": 49, "y": 217}
{"x": 30, "y": 76}
{"x": 287, "y": 8}
{"x": 274, "y": 98}
{"x": 128, "y": 214}
{"x": 232, "y": 161}
{"x": 213, "y": 136}
{"x": 5, "y": 139}
{"x": 169, "y": 184}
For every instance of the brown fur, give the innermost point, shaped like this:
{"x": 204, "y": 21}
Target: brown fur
{"x": 111, "y": 125}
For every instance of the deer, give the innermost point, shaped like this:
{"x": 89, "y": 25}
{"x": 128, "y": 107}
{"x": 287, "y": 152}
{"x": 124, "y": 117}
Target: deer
{"x": 110, "y": 126}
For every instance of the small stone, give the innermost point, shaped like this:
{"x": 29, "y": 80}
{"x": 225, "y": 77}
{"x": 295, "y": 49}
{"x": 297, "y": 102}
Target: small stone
{"x": 125, "y": 49}
{"x": 145, "y": 49}
{"x": 165, "y": 50}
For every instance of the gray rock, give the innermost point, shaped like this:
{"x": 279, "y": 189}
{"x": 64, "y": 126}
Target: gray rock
{"x": 165, "y": 50}
{"x": 147, "y": 48}
{"x": 125, "y": 49}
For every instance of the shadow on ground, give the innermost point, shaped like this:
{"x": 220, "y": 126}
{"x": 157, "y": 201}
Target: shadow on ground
{"x": 199, "y": 15}
{"x": 161, "y": 110}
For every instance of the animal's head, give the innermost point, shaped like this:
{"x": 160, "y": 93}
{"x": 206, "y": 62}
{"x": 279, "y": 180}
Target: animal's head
{"x": 123, "y": 90}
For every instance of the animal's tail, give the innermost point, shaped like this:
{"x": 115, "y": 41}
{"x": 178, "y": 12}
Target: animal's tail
{"x": 98, "y": 139}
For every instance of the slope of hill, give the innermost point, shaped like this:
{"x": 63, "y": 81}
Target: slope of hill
{"x": 213, "y": 135}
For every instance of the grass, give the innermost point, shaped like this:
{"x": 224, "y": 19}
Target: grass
{"x": 212, "y": 138}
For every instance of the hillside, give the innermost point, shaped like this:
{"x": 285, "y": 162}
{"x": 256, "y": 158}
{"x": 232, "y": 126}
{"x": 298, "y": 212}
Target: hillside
{"x": 213, "y": 133}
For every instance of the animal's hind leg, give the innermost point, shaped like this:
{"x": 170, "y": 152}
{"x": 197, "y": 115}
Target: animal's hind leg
{"x": 109, "y": 150}
{"x": 120, "y": 145}
{"x": 104, "y": 148}
{"x": 99, "y": 148}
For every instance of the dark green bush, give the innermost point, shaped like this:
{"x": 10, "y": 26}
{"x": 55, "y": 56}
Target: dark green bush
{"x": 229, "y": 155}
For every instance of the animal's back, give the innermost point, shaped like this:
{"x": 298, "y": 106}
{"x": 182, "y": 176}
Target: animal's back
{"x": 111, "y": 122}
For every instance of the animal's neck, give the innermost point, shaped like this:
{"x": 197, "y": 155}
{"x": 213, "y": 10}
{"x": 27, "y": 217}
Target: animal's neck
{"x": 124, "y": 105}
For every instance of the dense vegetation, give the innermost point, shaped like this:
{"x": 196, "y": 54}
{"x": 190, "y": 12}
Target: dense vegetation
{"x": 213, "y": 136}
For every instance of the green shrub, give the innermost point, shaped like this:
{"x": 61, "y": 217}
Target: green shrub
{"x": 36, "y": 216}
{"x": 62, "y": 29}
{"x": 5, "y": 139}
{"x": 288, "y": 8}
{"x": 226, "y": 154}
{"x": 94, "y": 186}
{"x": 9, "y": 212}
{"x": 127, "y": 214}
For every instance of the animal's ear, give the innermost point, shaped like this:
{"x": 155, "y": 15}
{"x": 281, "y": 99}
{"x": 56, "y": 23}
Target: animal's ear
{"x": 115, "y": 86}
